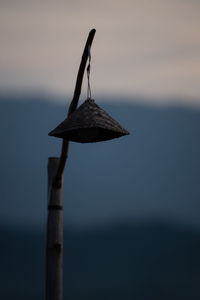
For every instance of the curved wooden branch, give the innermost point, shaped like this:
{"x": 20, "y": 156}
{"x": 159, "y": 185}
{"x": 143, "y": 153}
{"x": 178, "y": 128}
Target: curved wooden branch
{"x": 79, "y": 79}
{"x": 73, "y": 106}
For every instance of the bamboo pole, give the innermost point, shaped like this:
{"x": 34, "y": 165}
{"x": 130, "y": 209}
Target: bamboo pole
{"x": 54, "y": 243}
{"x": 54, "y": 238}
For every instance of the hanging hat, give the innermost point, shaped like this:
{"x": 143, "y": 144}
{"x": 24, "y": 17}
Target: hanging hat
{"x": 89, "y": 123}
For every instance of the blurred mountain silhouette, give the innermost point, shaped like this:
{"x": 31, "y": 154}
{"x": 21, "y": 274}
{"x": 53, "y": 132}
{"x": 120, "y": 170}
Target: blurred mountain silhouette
{"x": 146, "y": 261}
{"x": 153, "y": 173}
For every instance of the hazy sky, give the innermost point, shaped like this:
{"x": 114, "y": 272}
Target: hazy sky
{"x": 148, "y": 48}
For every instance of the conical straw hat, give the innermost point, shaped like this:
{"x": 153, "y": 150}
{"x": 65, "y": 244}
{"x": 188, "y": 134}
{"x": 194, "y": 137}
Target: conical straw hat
{"x": 89, "y": 123}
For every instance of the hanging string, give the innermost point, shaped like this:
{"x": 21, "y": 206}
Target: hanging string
{"x": 89, "y": 93}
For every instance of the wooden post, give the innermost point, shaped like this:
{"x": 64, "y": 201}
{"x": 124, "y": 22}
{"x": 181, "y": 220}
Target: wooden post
{"x": 54, "y": 242}
{"x": 54, "y": 239}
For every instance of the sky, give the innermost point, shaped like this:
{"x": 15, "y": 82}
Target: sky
{"x": 142, "y": 48}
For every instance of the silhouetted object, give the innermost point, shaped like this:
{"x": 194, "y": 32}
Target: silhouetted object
{"x": 89, "y": 123}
